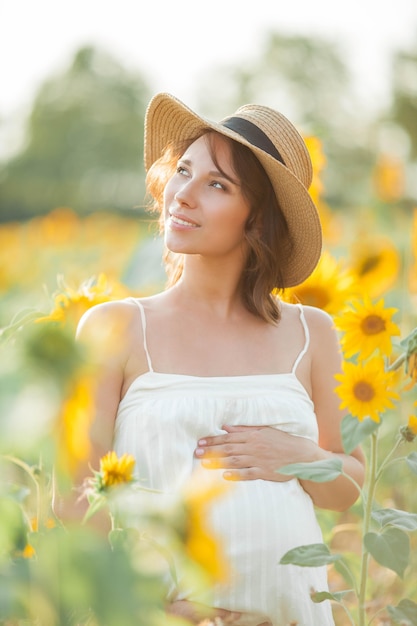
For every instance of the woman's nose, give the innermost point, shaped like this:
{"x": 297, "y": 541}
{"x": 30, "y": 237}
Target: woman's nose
{"x": 186, "y": 194}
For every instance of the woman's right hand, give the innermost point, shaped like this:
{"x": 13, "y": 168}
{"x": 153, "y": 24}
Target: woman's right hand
{"x": 195, "y": 613}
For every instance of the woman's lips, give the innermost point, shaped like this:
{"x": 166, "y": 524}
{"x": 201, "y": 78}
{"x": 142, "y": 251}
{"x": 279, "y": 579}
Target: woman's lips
{"x": 182, "y": 221}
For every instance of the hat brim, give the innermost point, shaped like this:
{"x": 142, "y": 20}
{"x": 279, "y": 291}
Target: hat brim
{"x": 168, "y": 119}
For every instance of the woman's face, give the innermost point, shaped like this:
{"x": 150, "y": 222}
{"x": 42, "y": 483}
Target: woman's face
{"x": 205, "y": 211}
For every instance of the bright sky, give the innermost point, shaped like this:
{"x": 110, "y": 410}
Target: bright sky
{"x": 171, "y": 43}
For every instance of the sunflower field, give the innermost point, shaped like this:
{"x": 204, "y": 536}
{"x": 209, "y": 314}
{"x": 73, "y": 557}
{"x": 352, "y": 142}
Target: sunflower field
{"x": 55, "y": 573}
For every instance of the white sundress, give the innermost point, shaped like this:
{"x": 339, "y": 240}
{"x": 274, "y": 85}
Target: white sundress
{"x": 160, "y": 420}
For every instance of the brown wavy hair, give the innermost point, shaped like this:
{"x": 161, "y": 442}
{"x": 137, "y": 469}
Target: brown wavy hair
{"x": 266, "y": 230}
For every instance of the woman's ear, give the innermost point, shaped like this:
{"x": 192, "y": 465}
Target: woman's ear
{"x": 253, "y": 226}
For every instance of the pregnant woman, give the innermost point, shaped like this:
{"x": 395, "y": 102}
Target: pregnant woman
{"x": 216, "y": 375}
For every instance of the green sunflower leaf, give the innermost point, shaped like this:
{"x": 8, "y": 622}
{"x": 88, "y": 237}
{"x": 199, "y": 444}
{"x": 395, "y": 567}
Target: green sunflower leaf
{"x": 337, "y": 596}
{"x": 391, "y": 548}
{"x": 311, "y": 555}
{"x": 397, "y": 518}
{"x": 317, "y": 471}
{"x": 354, "y": 431}
{"x": 411, "y": 461}
{"x": 404, "y": 613}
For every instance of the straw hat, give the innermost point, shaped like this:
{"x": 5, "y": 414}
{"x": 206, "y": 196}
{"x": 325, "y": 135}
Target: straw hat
{"x": 281, "y": 151}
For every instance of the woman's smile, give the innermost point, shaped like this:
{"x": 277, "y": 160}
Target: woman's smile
{"x": 176, "y": 221}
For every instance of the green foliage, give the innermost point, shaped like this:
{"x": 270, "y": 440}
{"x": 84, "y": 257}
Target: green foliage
{"x": 80, "y": 574}
{"x": 388, "y": 545}
{"x": 390, "y": 548}
{"x": 411, "y": 461}
{"x": 393, "y": 517}
{"x": 355, "y": 432}
{"x": 405, "y": 613}
{"x": 313, "y": 555}
{"x": 318, "y": 471}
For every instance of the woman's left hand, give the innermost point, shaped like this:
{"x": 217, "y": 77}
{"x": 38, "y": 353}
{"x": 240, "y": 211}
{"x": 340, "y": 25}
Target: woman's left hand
{"x": 251, "y": 452}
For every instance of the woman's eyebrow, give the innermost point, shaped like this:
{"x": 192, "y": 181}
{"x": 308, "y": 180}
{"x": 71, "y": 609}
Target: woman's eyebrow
{"x": 216, "y": 173}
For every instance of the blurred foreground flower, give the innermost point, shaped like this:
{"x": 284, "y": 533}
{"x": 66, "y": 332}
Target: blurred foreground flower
{"x": 114, "y": 472}
{"x": 365, "y": 389}
{"x": 367, "y": 327}
{"x": 201, "y": 546}
{"x": 73, "y": 424}
{"x": 29, "y": 551}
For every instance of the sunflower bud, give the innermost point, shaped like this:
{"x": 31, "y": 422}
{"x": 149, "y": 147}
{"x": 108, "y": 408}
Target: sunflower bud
{"x": 409, "y": 432}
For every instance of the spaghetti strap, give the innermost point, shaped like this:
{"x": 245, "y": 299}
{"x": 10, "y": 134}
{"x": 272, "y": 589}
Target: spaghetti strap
{"x": 307, "y": 338}
{"x": 145, "y": 343}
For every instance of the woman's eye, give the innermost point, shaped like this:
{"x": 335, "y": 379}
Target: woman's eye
{"x": 218, "y": 185}
{"x": 182, "y": 170}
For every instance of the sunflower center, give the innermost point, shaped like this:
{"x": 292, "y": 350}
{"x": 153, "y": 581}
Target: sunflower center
{"x": 315, "y": 296}
{"x": 369, "y": 264}
{"x": 112, "y": 477}
{"x": 372, "y": 325}
{"x": 363, "y": 391}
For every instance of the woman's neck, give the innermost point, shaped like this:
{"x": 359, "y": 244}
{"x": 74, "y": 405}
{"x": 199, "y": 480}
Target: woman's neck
{"x": 213, "y": 285}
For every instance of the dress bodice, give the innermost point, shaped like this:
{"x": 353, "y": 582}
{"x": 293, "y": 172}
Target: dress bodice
{"x": 160, "y": 420}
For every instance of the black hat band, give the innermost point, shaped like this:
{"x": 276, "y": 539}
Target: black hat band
{"x": 254, "y": 135}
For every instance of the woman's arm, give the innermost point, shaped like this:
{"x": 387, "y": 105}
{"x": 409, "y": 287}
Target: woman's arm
{"x": 100, "y": 333}
{"x": 326, "y": 361}
{"x": 252, "y": 452}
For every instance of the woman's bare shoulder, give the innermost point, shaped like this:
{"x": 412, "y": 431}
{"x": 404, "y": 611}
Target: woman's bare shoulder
{"x": 313, "y": 315}
{"x": 106, "y": 315}
{"x": 320, "y": 324}
{"x": 318, "y": 318}
{"x": 324, "y": 338}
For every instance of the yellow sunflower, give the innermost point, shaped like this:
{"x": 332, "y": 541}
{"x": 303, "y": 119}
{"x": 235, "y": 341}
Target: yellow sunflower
{"x": 367, "y": 327}
{"x": 329, "y": 287}
{"x": 365, "y": 389}
{"x": 375, "y": 262}
{"x": 115, "y": 470}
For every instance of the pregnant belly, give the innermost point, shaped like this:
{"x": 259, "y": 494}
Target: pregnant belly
{"x": 255, "y": 523}
{"x": 263, "y": 520}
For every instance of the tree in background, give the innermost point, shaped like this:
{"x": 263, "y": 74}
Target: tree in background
{"x": 400, "y": 127}
{"x": 84, "y": 143}
{"x": 404, "y": 108}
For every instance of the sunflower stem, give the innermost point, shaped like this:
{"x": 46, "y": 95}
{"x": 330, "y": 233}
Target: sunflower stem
{"x": 388, "y": 459}
{"x": 29, "y": 471}
{"x": 397, "y": 363}
{"x": 366, "y": 525}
